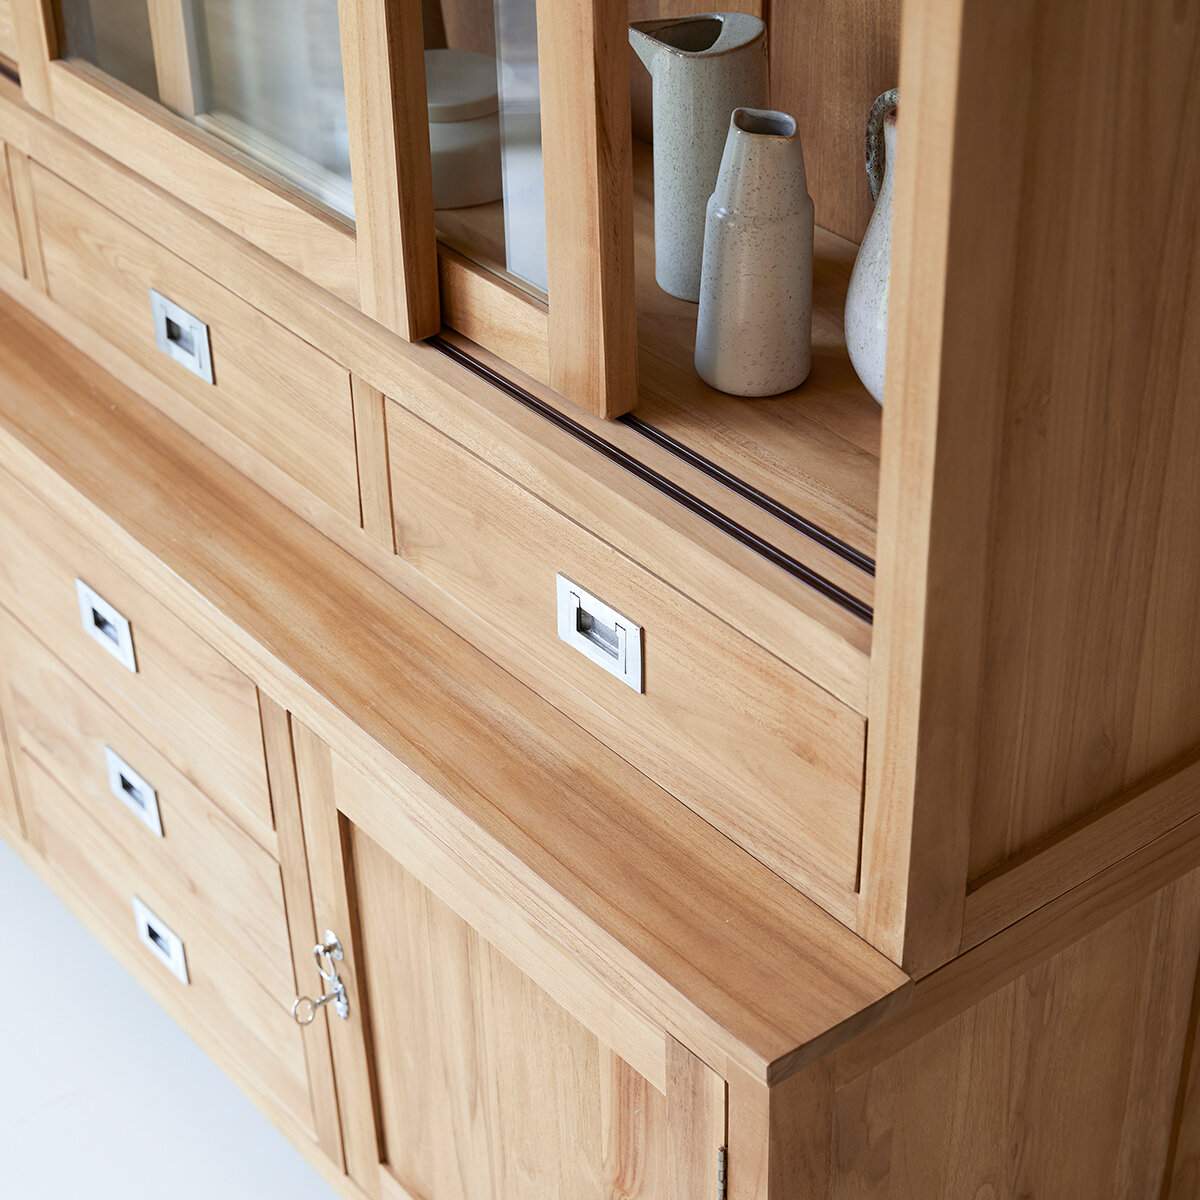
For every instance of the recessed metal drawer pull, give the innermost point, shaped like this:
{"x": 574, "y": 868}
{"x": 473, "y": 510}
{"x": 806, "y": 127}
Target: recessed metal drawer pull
{"x": 133, "y": 791}
{"x": 161, "y": 941}
{"x": 600, "y": 633}
{"x": 181, "y": 337}
{"x": 105, "y": 625}
{"x": 328, "y": 953}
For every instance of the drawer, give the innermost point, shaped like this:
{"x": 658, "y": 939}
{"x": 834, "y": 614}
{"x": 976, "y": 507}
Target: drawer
{"x": 183, "y": 697}
{"x": 749, "y": 743}
{"x": 271, "y": 390}
{"x": 222, "y": 1005}
{"x": 10, "y": 242}
{"x": 181, "y": 841}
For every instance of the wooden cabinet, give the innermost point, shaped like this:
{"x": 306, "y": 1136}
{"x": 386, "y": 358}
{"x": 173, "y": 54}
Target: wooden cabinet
{"x": 913, "y": 764}
{"x": 243, "y": 176}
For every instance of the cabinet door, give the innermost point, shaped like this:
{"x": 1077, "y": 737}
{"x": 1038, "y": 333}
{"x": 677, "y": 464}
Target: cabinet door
{"x": 488, "y": 1088}
{"x": 473, "y": 1067}
{"x": 262, "y": 116}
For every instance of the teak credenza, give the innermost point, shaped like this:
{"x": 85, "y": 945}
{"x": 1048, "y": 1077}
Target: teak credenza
{"x": 877, "y": 874}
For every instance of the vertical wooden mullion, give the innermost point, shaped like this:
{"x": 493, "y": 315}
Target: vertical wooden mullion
{"x": 781, "y": 1137}
{"x": 583, "y": 61}
{"x": 36, "y": 35}
{"x": 334, "y": 908}
{"x": 383, "y": 60}
{"x": 920, "y": 768}
{"x": 176, "y": 66}
{"x": 696, "y": 1123}
{"x": 302, "y": 930}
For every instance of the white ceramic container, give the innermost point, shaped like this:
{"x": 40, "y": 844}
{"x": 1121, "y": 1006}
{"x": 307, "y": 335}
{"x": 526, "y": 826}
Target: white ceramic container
{"x": 464, "y": 128}
{"x": 867, "y": 297}
{"x": 754, "y": 336}
{"x": 703, "y": 67}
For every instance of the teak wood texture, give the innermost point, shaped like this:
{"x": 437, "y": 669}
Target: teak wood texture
{"x": 559, "y": 1116}
{"x": 942, "y": 567}
{"x": 271, "y": 390}
{"x": 1035, "y": 655}
{"x": 593, "y": 938}
{"x": 759, "y": 751}
{"x": 726, "y": 953}
{"x": 11, "y": 257}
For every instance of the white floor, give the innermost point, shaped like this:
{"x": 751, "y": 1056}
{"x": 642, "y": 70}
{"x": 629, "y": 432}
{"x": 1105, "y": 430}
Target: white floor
{"x": 102, "y": 1095}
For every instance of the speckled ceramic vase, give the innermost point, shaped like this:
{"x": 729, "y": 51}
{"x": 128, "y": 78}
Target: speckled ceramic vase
{"x": 867, "y": 298}
{"x": 702, "y": 68}
{"x": 754, "y": 336}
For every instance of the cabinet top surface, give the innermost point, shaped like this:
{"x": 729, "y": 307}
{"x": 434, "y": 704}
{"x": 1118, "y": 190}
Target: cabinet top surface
{"x": 668, "y": 909}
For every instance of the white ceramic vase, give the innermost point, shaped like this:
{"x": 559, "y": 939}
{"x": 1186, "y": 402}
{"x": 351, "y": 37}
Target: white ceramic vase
{"x": 702, "y": 68}
{"x": 464, "y": 128}
{"x": 754, "y": 336}
{"x": 867, "y": 298}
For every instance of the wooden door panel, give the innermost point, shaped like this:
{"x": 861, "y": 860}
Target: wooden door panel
{"x": 487, "y": 1088}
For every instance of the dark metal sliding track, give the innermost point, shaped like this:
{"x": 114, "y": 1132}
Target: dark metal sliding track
{"x": 856, "y": 558}
{"x": 693, "y": 504}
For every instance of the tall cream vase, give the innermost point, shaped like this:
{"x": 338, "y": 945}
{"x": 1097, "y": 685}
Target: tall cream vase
{"x": 867, "y": 297}
{"x": 702, "y": 68}
{"x": 754, "y": 336}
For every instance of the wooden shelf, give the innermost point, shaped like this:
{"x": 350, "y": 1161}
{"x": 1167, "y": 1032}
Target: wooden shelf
{"x": 814, "y": 450}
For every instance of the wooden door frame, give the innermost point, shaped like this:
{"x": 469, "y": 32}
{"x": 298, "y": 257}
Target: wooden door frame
{"x": 387, "y": 263}
{"x": 384, "y": 263}
{"x": 584, "y": 348}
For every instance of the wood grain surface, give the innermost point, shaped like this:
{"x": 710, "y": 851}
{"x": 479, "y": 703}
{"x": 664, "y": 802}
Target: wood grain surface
{"x": 1061, "y": 1083}
{"x": 222, "y": 1002}
{"x": 691, "y": 929}
{"x": 273, "y": 391}
{"x": 11, "y": 257}
{"x": 221, "y": 873}
{"x": 185, "y": 698}
{"x": 486, "y": 1086}
{"x": 754, "y": 747}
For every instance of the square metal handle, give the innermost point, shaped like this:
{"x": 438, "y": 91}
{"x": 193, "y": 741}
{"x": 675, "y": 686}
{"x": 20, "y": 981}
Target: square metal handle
{"x": 598, "y": 632}
{"x": 105, "y": 625}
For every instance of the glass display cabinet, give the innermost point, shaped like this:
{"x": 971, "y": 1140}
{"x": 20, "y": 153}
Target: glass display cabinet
{"x": 343, "y": 166}
{"x": 323, "y": 160}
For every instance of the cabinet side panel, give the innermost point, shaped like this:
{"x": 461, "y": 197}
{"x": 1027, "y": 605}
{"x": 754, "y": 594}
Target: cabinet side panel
{"x": 1092, "y": 649}
{"x": 1062, "y": 1083}
{"x": 1036, "y": 646}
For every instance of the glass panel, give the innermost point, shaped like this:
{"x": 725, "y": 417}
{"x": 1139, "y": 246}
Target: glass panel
{"x": 485, "y": 138}
{"x": 263, "y": 76}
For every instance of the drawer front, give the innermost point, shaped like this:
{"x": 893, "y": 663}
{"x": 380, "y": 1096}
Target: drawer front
{"x": 752, "y": 745}
{"x": 10, "y": 242}
{"x": 181, "y": 841}
{"x": 196, "y": 708}
{"x": 273, "y": 391}
{"x": 226, "y": 1008}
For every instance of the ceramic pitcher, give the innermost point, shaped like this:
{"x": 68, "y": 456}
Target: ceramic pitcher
{"x": 754, "y": 335}
{"x": 702, "y": 67}
{"x": 867, "y": 298}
